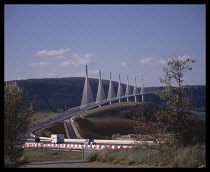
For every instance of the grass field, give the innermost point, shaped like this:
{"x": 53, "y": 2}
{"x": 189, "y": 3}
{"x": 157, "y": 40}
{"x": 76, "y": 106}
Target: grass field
{"x": 108, "y": 113}
{"x": 38, "y": 116}
{"x": 105, "y": 121}
{"x": 42, "y": 155}
{"x": 31, "y": 155}
{"x": 178, "y": 157}
{"x": 102, "y": 130}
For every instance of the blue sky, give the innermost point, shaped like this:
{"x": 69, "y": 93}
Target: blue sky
{"x": 55, "y": 41}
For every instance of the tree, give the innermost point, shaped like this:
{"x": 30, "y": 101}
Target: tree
{"x": 146, "y": 127}
{"x": 176, "y": 117}
{"x": 17, "y": 114}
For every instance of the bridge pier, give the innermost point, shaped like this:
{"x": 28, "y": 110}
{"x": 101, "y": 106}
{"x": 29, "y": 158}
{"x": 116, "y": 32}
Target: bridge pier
{"x": 127, "y": 91}
{"x": 100, "y": 93}
{"x": 142, "y": 92}
{"x": 120, "y": 90}
{"x": 111, "y": 93}
{"x": 135, "y": 90}
{"x": 135, "y": 97}
{"x": 87, "y": 96}
{"x": 143, "y": 98}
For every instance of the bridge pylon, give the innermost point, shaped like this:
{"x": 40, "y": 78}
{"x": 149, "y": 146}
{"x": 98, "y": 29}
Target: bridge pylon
{"x": 135, "y": 90}
{"x": 87, "y": 96}
{"x": 111, "y": 93}
{"x": 128, "y": 91}
{"x": 100, "y": 93}
{"x": 120, "y": 90}
{"x": 143, "y": 91}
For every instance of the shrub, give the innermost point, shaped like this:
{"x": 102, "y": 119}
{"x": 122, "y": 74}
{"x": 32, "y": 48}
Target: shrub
{"x": 118, "y": 161}
{"x": 130, "y": 162}
{"x": 92, "y": 157}
{"x": 184, "y": 157}
{"x": 161, "y": 163}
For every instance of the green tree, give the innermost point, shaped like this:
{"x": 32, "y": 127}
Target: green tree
{"x": 17, "y": 113}
{"x": 175, "y": 117}
{"x": 146, "y": 127}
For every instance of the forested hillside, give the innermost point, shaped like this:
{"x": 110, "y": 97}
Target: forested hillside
{"x": 61, "y": 93}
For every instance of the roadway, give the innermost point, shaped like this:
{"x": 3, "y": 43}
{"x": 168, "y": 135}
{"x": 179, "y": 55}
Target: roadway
{"x": 71, "y": 132}
{"x": 60, "y": 117}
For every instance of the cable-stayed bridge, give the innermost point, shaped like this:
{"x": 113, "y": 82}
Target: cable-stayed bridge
{"x": 88, "y": 102}
{"x": 87, "y": 97}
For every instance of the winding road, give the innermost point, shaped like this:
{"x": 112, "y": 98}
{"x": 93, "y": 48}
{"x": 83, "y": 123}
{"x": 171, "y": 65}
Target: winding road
{"x": 60, "y": 117}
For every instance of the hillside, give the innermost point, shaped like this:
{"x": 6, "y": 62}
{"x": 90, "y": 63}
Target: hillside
{"x": 108, "y": 113}
{"x": 58, "y": 93}
{"x": 62, "y": 93}
{"x": 122, "y": 118}
{"x": 105, "y": 121}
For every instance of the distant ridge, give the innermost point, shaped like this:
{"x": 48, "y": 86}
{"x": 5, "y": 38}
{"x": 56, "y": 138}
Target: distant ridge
{"x": 48, "y": 94}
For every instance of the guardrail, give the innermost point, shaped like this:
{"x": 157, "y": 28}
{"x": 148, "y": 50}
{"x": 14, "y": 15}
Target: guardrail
{"x": 74, "y": 146}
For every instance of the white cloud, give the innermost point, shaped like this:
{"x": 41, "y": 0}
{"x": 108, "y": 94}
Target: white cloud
{"x": 65, "y": 63}
{"x": 39, "y": 64}
{"x": 52, "y": 52}
{"x": 74, "y": 59}
{"x": 159, "y": 62}
{"x": 152, "y": 61}
{"x": 124, "y": 63}
{"x": 146, "y": 60}
{"x": 78, "y": 59}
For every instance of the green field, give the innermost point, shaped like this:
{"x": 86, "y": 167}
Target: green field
{"x": 38, "y": 116}
{"x": 103, "y": 122}
{"x": 166, "y": 157}
{"x": 108, "y": 113}
{"x": 42, "y": 155}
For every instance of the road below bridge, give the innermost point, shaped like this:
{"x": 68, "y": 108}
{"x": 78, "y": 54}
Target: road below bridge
{"x": 60, "y": 117}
